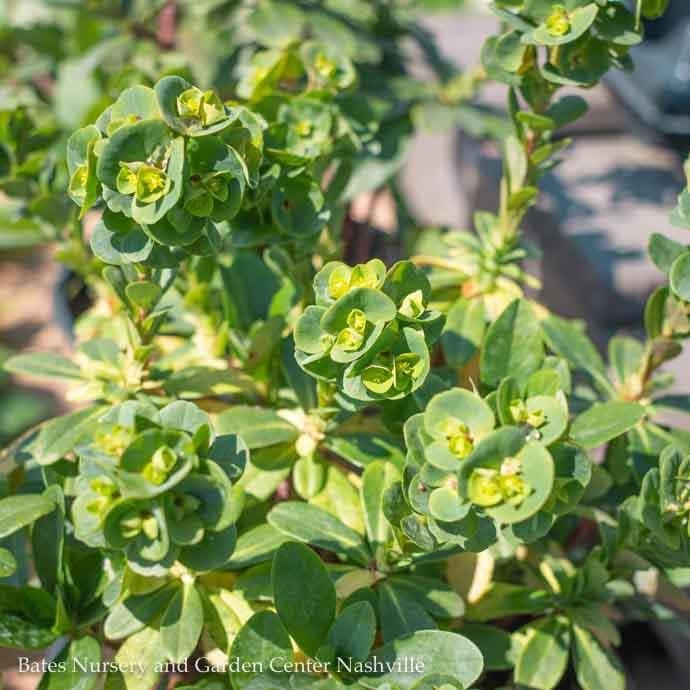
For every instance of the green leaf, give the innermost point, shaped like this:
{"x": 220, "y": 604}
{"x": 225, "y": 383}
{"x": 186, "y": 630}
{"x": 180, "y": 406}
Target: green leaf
{"x": 596, "y": 666}
{"x": 143, "y": 293}
{"x": 438, "y": 652}
{"x": 27, "y": 618}
{"x": 135, "y": 612}
{"x": 137, "y": 658}
{"x": 131, "y": 143}
{"x": 513, "y": 345}
{"x": 509, "y": 51}
{"x": 200, "y": 381}
{"x": 119, "y": 248}
{"x": 43, "y": 365}
{"x": 298, "y": 206}
{"x": 664, "y": 251}
{"x": 256, "y": 546}
{"x": 185, "y": 416}
{"x": 544, "y": 655}
{"x": 516, "y": 163}
{"x": 567, "y": 110}
{"x": 679, "y": 276}
{"x": 363, "y": 448}
{"x": 182, "y": 623}
{"x": 47, "y": 541}
{"x": 308, "y": 523}
{"x": 655, "y": 312}
{"x": 400, "y": 613}
{"x": 446, "y": 505}
{"x": 603, "y": 422}
{"x": 263, "y": 639}
{"x": 463, "y": 331}
{"x": 8, "y": 563}
{"x": 309, "y": 476}
{"x": 276, "y": 25}
{"x": 304, "y": 595}
{"x": 212, "y": 552}
{"x": 22, "y": 510}
{"x": 60, "y": 435}
{"x": 139, "y": 101}
{"x": 352, "y": 634}
{"x": 568, "y": 339}
{"x": 77, "y": 674}
{"x": 502, "y": 600}
{"x": 377, "y": 477}
{"x": 256, "y": 426}
{"x": 496, "y": 645}
{"x": 652, "y": 9}
{"x": 435, "y": 596}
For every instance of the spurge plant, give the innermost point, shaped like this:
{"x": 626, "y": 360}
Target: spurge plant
{"x": 286, "y": 471}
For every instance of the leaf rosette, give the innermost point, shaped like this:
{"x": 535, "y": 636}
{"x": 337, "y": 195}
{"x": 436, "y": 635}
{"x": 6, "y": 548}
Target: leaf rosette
{"x": 157, "y": 485}
{"x": 370, "y": 330}
{"x": 468, "y": 479}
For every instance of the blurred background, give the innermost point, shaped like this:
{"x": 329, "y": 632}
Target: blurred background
{"x": 62, "y": 61}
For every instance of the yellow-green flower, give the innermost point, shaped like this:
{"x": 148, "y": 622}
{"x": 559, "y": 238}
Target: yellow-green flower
{"x": 363, "y": 275}
{"x": 522, "y": 415}
{"x": 303, "y": 128}
{"x": 558, "y": 22}
{"x": 106, "y": 490}
{"x": 189, "y": 103}
{"x": 152, "y": 184}
{"x": 514, "y": 488}
{"x": 378, "y": 379}
{"x": 77, "y": 183}
{"x": 349, "y": 340}
{"x": 485, "y": 488}
{"x": 126, "y": 181}
{"x": 149, "y": 526}
{"x": 413, "y": 305}
{"x": 131, "y": 524}
{"x": 162, "y": 462}
{"x": 357, "y": 320}
{"x": 405, "y": 369}
{"x": 458, "y": 435}
{"x": 212, "y": 108}
{"x": 324, "y": 66}
{"x": 326, "y": 340}
{"x": 113, "y": 440}
{"x": 204, "y": 106}
{"x": 339, "y": 282}
{"x": 461, "y": 445}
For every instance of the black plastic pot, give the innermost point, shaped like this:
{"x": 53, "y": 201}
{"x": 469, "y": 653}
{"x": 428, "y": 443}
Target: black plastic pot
{"x": 657, "y": 92}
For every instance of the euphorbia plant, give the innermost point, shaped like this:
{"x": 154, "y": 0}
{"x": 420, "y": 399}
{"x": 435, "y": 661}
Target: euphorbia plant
{"x": 296, "y": 473}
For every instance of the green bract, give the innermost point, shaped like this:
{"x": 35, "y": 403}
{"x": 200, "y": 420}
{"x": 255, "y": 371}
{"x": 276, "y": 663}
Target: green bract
{"x": 581, "y": 40}
{"x": 370, "y": 330}
{"x": 180, "y": 170}
{"x": 149, "y": 485}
